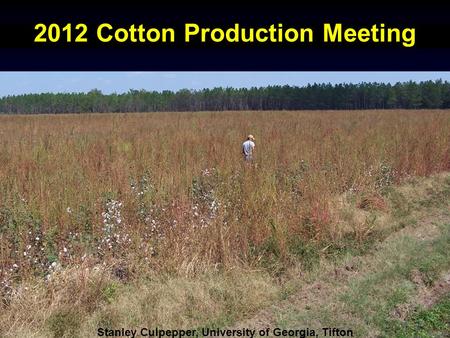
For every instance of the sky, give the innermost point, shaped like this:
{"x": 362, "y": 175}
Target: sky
{"x": 13, "y": 83}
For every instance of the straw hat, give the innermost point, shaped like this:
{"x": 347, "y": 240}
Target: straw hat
{"x": 250, "y": 137}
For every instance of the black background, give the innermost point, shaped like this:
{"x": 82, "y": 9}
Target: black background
{"x": 19, "y": 52}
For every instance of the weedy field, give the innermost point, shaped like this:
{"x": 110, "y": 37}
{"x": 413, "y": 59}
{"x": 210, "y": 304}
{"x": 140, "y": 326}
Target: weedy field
{"x": 155, "y": 195}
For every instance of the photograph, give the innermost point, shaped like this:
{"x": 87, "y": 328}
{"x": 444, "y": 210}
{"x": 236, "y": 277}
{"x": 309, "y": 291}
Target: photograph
{"x": 224, "y": 170}
{"x": 224, "y": 203}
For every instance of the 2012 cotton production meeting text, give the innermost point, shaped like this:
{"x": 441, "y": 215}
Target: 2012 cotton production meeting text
{"x": 328, "y": 33}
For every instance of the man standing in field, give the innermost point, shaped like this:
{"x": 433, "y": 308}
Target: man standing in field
{"x": 248, "y": 147}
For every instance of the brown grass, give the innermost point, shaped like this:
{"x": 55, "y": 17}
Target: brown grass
{"x": 140, "y": 219}
{"x": 58, "y": 174}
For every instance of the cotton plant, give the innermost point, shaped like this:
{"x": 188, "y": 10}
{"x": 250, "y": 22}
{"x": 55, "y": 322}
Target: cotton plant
{"x": 112, "y": 220}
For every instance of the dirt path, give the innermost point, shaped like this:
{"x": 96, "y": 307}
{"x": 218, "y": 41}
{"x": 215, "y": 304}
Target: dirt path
{"x": 334, "y": 296}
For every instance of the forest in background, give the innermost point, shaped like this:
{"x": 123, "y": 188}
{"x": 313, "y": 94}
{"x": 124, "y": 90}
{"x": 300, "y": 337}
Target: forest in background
{"x": 366, "y": 95}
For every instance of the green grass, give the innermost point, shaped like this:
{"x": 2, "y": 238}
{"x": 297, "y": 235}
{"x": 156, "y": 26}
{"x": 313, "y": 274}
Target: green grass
{"x": 433, "y": 322}
{"x": 365, "y": 302}
{"x": 374, "y": 297}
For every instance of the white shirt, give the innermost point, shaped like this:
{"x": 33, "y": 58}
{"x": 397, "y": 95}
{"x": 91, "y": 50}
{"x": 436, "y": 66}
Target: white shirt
{"x": 247, "y": 147}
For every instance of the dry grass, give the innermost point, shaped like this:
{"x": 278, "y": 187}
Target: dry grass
{"x": 105, "y": 215}
{"x": 169, "y": 192}
{"x": 79, "y": 300}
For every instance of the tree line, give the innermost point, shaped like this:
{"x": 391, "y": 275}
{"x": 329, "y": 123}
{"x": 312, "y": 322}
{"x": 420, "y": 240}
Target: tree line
{"x": 366, "y": 95}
